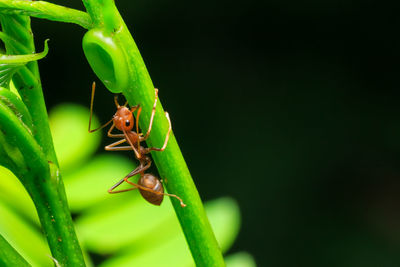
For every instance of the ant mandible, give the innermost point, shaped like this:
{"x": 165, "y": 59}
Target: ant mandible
{"x": 150, "y": 187}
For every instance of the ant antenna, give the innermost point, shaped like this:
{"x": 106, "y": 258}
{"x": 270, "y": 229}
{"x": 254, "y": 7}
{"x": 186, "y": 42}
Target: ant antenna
{"x": 91, "y": 112}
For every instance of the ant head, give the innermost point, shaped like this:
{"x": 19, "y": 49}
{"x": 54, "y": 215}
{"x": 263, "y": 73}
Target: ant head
{"x": 123, "y": 119}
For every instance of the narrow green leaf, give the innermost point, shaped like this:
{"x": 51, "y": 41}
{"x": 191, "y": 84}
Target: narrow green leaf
{"x": 5, "y": 159}
{"x": 23, "y": 59}
{"x": 13, "y": 102}
{"x": 14, "y": 195}
{"x": 17, "y": 232}
{"x": 19, "y": 137}
{"x": 10, "y": 64}
{"x": 9, "y": 256}
{"x": 27, "y": 79}
{"x": 14, "y": 159}
{"x": 42, "y": 179}
{"x": 6, "y": 73}
{"x": 13, "y": 43}
{"x": 43, "y": 182}
{"x": 45, "y": 10}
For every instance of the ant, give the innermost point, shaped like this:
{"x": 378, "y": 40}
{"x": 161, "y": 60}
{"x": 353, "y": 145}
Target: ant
{"x": 150, "y": 187}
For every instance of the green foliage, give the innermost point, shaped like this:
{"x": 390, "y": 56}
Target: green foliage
{"x": 10, "y": 257}
{"x": 11, "y": 60}
{"x": 122, "y": 225}
{"x": 27, "y": 150}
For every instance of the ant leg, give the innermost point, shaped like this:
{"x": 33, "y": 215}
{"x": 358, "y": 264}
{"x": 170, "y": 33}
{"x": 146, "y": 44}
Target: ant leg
{"x": 134, "y": 108}
{"x": 111, "y": 190}
{"x": 147, "y": 150}
{"x": 109, "y": 134}
{"x": 120, "y": 191}
{"x": 91, "y": 112}
{"x": 139, "y": 169}
{"x": 124, "y": 136}
{"x": 139, "y": 109}
{"x": 137, "y": 125}
{"x": 153, "y": 112}
{"x": 137, "y": 154}
{"x": 114, "y": 147}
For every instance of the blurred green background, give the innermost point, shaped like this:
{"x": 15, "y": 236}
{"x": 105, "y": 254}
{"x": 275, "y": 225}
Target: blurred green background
{"x": 289, "y": 107}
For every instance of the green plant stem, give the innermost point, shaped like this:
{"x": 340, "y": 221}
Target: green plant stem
{"x": 43, "y": 182}
{"x": 9, "y": 256}
{"x": 15, "y": 133}
{"x": 45, "y": 10}
{"x": 41, "y": 178}
{"x": 170, "y": 163}
{"x": 27, "y": 80}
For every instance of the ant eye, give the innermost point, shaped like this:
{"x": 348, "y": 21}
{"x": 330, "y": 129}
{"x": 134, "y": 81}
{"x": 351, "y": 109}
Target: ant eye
{"x": 127, "y": 123}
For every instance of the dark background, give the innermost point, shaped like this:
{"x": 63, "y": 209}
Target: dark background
{"x": 290, "y": 107}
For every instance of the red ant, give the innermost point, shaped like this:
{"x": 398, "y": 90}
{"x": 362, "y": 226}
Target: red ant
{"x": 150, "y": 187}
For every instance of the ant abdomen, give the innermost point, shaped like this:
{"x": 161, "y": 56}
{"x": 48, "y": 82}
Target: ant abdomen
{"x": 151, "y": 182}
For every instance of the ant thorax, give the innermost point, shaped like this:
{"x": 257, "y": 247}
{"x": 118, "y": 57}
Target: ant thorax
{"x": 133, "y": 137}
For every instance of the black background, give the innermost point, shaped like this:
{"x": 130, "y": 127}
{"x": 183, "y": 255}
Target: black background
{"x": 290, "y": 107}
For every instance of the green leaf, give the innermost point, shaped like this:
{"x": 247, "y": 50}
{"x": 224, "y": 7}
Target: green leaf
{"x": 14, "y": 195}
{"x": 42, "y": 179}
{"x": 10, "y": 64}
{"x": 17, "y": 232}
{"x": 87, "y": 186}
{"x": 9, "y": 256}
{"x": 174, "y": 253}
{"x": 240, "y": 259}
{"x": 13, "y": 102}
{"x": 23, "y": 59}
{"x": 156, "y": 231}
{"x": 6, "y": 73}
{"x": 45, "y": 10}
{"x": 224, "y": 216}
{"x": 133, "y": 211}
{"x": 72, "y": 142}
{"x": 12, "y": 157}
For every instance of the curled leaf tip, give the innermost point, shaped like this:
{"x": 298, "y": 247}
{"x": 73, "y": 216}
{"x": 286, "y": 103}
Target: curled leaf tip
{"x": 23, "y": 59}
{"x": 106, "y": 58}
{"x": 46, "y": 48}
